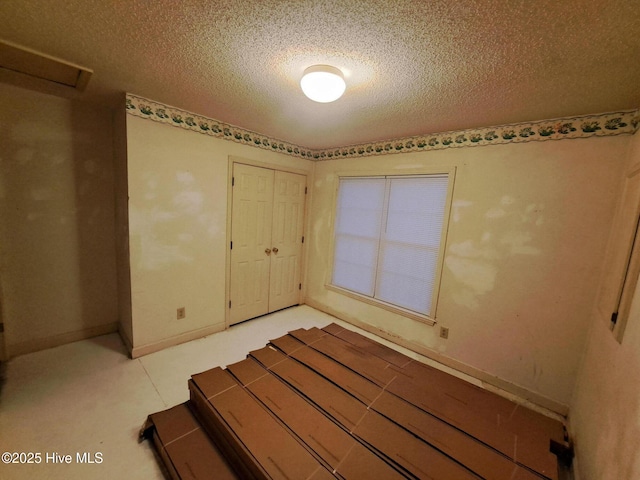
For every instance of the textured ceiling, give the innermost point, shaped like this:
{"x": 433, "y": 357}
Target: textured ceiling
{"x": 412, "y": 67}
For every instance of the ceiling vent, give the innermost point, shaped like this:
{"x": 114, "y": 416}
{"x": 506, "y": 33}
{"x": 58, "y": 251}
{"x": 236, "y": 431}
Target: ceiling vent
{"x": 45, "y": 67}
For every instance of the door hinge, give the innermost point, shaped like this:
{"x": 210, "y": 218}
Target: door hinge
{"x": 303, "y": 239}
{"x": 1, "y": 327}
{"x": 231, "y": 245}
{"x": 299, "y": 286}
{"x": 305, "y": 190}
{"x": 233, "y": 181}
{"x": 229, "y": 303}
{"x": 614, "y": 320}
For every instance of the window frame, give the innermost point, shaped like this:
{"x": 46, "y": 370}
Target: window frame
{"x": 622, "y": 259}
{"x": 450, "y": 172}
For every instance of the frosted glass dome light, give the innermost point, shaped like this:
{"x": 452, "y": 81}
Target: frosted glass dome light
{"x": 323, "y": 83}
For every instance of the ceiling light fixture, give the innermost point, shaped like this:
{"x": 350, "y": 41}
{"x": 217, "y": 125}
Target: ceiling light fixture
{"x": 323, "y": 83}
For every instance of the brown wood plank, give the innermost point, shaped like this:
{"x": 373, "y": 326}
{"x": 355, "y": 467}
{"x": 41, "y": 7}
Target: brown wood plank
{"x": 358, "y": 386}
{"x": 476, "y": 456}
{"x": 445, "y": 396}
{"x": 337, "y": 448}
{"x": 517, "y": 418}
{"x": 419, "y": 458}
{"x": 510, "y": 415}
{"x": 344, "y": 408}
{"x": 369, "y": 366}
{"x": 234, "y": 451}
{"x": 258, "y": 436}
{"x": 185, "y": 448}
{"x": 366, "y": 344}
{"x": 326, "y": 403}
{"x": 404, "y": 449}
{"x": 485, "y": 461}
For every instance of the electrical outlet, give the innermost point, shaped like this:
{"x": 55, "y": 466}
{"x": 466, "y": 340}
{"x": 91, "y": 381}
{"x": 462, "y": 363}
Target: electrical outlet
{"x": 444, "y": 332}
{"x": 181, "y": 313}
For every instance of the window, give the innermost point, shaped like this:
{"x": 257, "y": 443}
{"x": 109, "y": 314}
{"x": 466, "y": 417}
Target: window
{"x": 387, "y": 241}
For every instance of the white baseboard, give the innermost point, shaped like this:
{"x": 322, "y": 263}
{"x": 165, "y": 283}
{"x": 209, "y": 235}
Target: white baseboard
{"x": 38, "y": 344}
{"x": 142, "y": 350}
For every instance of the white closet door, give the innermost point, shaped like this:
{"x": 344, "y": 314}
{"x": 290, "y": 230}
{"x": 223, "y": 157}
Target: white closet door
{"x": 288, "y": 218}
{"x": 251, "y": 214}
{"x": 267, "y": 217}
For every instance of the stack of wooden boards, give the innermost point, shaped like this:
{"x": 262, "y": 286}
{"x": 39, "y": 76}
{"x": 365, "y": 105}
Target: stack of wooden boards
{"x": 331, "y": 403}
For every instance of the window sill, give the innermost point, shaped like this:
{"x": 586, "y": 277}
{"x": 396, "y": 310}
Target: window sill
{"x": 386, "y": 306}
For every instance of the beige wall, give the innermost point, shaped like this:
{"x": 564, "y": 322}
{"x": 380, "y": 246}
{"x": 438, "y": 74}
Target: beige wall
{"x": 528, "y": 229}
{"x": 57, "y": 252}
{"x": 121, "y": 187}
{"x": 529, "y": 224}
{"x": 605, "y": 412}
{"x": 178, "y": 196}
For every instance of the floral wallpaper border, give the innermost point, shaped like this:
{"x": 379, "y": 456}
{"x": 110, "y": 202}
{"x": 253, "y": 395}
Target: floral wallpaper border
{"x": 141, "y": 107}
{"x": 605, "y": 124}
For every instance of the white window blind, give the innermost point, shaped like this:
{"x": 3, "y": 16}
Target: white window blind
{"x": 387, "y": 238}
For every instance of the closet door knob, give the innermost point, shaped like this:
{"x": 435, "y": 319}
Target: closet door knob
{"x": 275, "y": 249}
{"x": 267, "y": 251}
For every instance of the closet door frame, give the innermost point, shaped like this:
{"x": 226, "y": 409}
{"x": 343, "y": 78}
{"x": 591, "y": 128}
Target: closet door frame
{"x": 276, "y": 167}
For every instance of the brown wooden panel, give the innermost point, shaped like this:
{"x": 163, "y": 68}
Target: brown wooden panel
{"x": 327, "y": 403}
